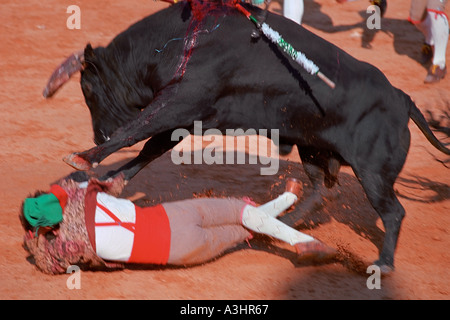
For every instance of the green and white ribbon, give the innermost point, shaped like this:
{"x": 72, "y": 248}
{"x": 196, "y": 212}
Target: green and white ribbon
{"x": 297, "y": 56}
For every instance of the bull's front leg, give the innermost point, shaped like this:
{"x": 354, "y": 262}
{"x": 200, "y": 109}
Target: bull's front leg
{"x": 158, "y": 120}
{"x": 155, "y": 147}
{"x": 322, "y": 171}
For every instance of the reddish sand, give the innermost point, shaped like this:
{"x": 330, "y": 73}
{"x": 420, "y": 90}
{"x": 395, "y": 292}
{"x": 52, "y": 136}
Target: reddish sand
{"x": 36, "y": 134}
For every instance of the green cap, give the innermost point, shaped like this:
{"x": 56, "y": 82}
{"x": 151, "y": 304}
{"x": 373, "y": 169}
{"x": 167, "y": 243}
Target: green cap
{"x": 43, "y": 211}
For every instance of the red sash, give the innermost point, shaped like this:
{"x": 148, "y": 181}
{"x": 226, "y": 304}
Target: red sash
{"x": 151, "y": 236}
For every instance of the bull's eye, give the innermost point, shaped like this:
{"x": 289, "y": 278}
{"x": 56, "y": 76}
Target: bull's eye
{"x": 105, "y": 136}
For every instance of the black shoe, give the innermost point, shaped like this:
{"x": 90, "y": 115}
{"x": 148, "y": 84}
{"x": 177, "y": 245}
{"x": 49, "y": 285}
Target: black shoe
{"x": 426, "y": 53}
{"x": 382, "y": 4}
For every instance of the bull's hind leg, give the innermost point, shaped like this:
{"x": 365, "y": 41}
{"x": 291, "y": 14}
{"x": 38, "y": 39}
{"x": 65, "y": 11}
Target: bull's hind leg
{"x": 380, "y": 192}
{"x": 377, "y": 169}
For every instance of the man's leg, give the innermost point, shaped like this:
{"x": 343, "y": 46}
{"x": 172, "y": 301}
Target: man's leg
{"x": 308, "y": 248}
{"x": 429, "y": 17}
{"x": 293, "y": 191}
{"x": 202, "y": 229}
{"x": 439, "y": 34}
{"x": 277, "y": 206}
{"x": 200, "y": 245}
{"x": 262, "y": 222}
{"x": 418, "y": 17}
{"x": 293, "y": 10}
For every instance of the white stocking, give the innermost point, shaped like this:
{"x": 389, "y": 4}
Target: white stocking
{"x": 262, "y": 222}
{"x": 279, "y": 205}
{"x": 293, "y": 9}
{"x": 439, "y": 35}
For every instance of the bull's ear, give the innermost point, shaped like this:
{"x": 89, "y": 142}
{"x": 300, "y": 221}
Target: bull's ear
{"x": 89, "y": 52}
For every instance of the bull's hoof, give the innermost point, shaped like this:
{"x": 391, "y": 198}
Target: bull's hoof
{"x": 385, "y": 269}
{"x": 77, "y": 162}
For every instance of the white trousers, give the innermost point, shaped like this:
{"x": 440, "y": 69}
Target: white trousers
{"x": 293, "y": 9}
{"x": 263, "y": 219}
{"x": 435, "y": 28}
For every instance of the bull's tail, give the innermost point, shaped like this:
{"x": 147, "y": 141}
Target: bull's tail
{"x": 421, "y": 122}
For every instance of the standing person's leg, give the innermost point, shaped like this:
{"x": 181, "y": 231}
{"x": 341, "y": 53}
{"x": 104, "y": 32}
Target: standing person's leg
{"x": 440, "y": 32}
{"x": 439, "y": 35}
{"x": 429, "y": 17}
{"x": 418, "y": 17}
{"x": 293, "y": 9}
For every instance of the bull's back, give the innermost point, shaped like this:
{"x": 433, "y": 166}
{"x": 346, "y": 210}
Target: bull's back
{"x": 257, "y": 75}
{"x": 252, "y": 83}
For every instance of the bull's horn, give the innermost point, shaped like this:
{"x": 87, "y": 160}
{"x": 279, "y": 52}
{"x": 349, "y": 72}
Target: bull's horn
{"x": 62, "y": 74}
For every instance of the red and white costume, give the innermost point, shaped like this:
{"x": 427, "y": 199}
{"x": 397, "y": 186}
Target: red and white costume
{"x": 121, "y": 231}
{"x": 183, "y": 232}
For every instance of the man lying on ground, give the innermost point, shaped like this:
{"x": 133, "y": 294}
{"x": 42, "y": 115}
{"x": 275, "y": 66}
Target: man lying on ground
{"x": 85, "y": 224}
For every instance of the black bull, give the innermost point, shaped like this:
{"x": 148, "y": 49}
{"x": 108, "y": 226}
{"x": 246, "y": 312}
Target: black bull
{"x": 172, "y": 69}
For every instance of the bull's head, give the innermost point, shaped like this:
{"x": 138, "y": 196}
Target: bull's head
{"x": 110, "y": 96}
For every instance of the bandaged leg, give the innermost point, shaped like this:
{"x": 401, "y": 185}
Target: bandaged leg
{"x": 308, "y": 249}
{"x": 261, "y": 222}
{"x": 275, "y": 207}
